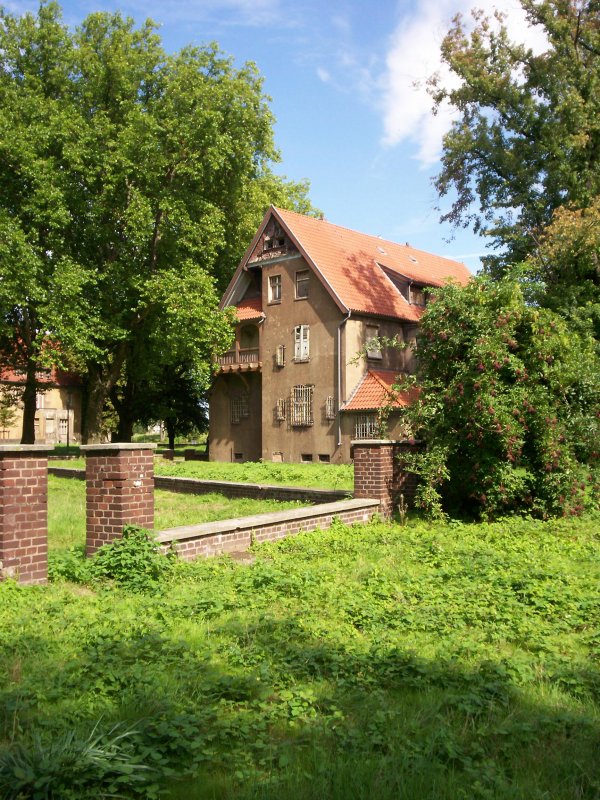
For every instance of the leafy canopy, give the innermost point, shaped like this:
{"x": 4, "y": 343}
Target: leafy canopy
{"x": 527, "y": 137}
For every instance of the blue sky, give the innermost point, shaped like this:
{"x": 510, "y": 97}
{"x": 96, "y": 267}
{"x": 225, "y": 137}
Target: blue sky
{"x": 341, "y": 76}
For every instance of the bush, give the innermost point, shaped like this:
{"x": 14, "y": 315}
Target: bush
{"x": 509, "y": 406}
{"x": 133, "y": 562}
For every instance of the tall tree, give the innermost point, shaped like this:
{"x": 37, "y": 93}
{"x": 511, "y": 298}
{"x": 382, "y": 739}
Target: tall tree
{"x": 129, "y": 194}
{"x": 527, "y": 137}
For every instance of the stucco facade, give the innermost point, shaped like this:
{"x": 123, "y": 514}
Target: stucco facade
{"x": 58, "y": 414}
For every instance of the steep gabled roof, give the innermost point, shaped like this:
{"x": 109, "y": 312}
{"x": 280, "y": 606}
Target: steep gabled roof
{"x": 375, "y": 391}
{"x": 356, "y": 267}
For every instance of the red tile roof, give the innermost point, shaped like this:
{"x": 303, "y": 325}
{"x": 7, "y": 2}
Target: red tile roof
{"x": 351, "y": 265}
{"x": 55, "y": 377}
{"x": 249, "y": 309}
{"x": 375, "y": 391}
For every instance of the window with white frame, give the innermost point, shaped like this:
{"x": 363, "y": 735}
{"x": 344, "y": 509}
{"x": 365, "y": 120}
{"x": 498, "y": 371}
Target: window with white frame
{"x": 239, "y": 407}
{"x": 302, "y": 280}
{"x": 373, "y": 345}
{"x": 301, "y": 405}
{"x": 275, "y": 289}
{"x": 301, "y": 343}
{"x": 366, "y": 426}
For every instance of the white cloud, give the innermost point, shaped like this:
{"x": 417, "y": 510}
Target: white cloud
{"x": 323, "y": 75}
{"x": 413, "y": 56}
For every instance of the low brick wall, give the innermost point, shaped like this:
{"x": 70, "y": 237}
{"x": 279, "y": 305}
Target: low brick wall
{"x": 256, "y": 491}
{"x": 234, "y": 535}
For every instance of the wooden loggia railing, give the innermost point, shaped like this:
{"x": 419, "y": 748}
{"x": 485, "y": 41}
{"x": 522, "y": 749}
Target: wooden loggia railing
{"x": 248, "y": 355}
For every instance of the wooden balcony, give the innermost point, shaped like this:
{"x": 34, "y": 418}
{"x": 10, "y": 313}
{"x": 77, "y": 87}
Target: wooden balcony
{"x": 240, "y": 359}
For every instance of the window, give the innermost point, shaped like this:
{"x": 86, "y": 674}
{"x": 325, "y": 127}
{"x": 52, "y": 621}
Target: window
{"x": 301, "y": 406}
{"x": 280, "y": 356}
{"x": 366, "y": 426}
{"x": 63, "y": 425}
{"x": 238, "y": 456}
{"x": 373, "y": 346}
{"x": 417, "y": 296}
{"x": 330, "y": 408}
{"x": 301, "y": 343}
{"x": 324, "y": 458}
{"x": 239, "y": 407}
{"x": 280, "y": 410}
{"x": 302, "y": 279}
{"x": 306, "y": 458}
{"x": 275, "y": 289}
{"x": 39, "y": 400}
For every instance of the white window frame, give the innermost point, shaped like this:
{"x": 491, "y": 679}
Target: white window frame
{"x": 280, "y": 409}
{"x": 275, "y": 288}
{"x": 302, "y": 283}
{"x": 301, "y": 405}
{"x": 302, "y": 343}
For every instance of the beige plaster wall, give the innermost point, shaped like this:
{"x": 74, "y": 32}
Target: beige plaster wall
{"x": 227, "y": 439}
{"x": 319, "y": 311}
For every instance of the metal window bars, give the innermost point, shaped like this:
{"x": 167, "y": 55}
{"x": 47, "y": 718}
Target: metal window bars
{"x": 301, "y": 405}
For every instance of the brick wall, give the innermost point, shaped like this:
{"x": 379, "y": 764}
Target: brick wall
{"x": 119, "y": 490}
{"x": 378, "y": 474}
{"x": 234, "y": 535}
{"x": 24, "y": 512}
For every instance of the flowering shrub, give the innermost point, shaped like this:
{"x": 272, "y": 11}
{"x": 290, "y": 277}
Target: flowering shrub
{"x": 509, "y": 406}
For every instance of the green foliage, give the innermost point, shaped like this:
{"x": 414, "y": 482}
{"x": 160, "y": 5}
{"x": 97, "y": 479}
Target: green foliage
{"x": 423, "y": 661}
{"x": 509, "y": 406}
{"x": 526, "y": 138}
{"x": 133, "y": 562}
{"x": 122, "y": 173}
{"x": 70, "y": 767}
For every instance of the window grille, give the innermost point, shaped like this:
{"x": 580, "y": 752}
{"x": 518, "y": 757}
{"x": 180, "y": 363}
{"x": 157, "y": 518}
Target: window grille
{"x": 280, "y": 410}
{"x": 301, "y": 405}
{"x": 239, "y": 408}
{"x": 63, "y": 426}
{"x": 280, "y": 356}
{"x": 301, "y": 343}
{"x": 366, "y": 426}
{"x": 330, "y": 408}
{"x": 302, "y": 280}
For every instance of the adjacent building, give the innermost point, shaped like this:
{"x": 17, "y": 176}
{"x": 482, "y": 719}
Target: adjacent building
{"x": 316, "y": 305}
{"x": 58, "y": 401}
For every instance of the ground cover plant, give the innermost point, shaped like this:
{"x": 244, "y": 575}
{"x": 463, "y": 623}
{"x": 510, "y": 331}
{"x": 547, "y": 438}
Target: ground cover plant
{"x": 318, "y": 476}
{"x": 66, "y": 510}
{"x": 425, "y": 661}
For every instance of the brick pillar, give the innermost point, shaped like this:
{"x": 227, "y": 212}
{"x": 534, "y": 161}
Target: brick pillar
{"x": 24, "y": 512}
{"x": 374, "y": 472}
{"x": 119, "y": 480}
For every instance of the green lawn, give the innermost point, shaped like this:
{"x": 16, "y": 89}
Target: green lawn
{"x": 66, "y": 510}
{"x": 320, "y": 476}
{"x": 377, "y": 662}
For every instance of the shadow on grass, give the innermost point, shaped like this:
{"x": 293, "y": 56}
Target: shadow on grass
{"x": 267, "y": 711}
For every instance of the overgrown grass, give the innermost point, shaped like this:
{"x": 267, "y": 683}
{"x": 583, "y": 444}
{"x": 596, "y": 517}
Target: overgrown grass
{"x": 319, "y": 476}
{"x": 425, "y": 661}
{"x": 66, "y": 510}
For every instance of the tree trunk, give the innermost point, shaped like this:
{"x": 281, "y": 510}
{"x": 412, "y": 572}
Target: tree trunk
{"x": 99, "y": 384}
{"x": 170, "y": 426}
{"x": 29, "y": 404}
{"x": 123, "y": 404}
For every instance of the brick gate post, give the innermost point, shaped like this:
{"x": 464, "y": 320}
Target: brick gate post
{"x": 119, "y": 481}
{"x": 374, "y": 472}
{"x": 24, "y": 512}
